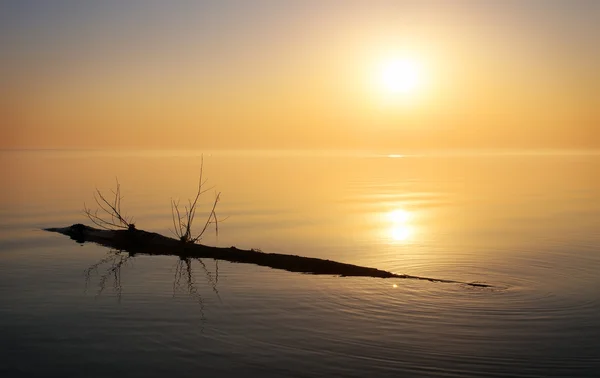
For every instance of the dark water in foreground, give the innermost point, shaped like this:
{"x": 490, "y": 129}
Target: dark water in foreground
{"x": 527, "y": 224}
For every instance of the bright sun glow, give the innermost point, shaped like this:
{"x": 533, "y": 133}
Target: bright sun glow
{"x": 399, "y": 216}
{"x": 400, "y": 232}
{"x": 400, "y": 229}
{"x": 400, "y": 76}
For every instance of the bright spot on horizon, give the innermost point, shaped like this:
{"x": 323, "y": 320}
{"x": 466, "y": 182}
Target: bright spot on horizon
{"x": 394, "y": 285}
{"x": 400, "y": 76}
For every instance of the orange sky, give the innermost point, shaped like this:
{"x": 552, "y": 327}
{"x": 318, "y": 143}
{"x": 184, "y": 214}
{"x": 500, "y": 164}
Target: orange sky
{"x": 268, "y": 74}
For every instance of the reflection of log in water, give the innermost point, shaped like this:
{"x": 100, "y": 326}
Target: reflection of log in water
{"x": 143, "y": 242}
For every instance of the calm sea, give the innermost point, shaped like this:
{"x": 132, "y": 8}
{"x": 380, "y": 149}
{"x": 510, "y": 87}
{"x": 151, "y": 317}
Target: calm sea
{"x": 526, "y": 223}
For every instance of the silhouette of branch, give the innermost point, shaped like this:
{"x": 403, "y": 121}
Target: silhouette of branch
{"x": 110, "y": 216}
{"x": 183, "y": 219}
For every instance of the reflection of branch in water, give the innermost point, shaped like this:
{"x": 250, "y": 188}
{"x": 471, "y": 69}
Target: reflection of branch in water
{"x": 209, "y": 278}
{"x": 116, "y": 259}
{"x": 184, "y": 269}
{"x": 115, "y": 271}
{"x": 94, "y": 267}
{"x": 178, "y": 274}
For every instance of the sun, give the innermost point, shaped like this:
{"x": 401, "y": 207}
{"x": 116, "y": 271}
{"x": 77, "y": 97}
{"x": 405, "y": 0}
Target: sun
{"x": 400, "y": 76}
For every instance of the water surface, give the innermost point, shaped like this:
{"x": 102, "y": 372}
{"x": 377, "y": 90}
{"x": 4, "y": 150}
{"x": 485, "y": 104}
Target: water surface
{"x": 526, "y": 223}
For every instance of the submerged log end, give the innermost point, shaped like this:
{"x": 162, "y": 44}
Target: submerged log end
{"x": 76, "y": 232}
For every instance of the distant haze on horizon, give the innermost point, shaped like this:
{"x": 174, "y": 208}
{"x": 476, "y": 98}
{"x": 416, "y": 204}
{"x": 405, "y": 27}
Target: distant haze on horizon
{"x": 298, "y": 74}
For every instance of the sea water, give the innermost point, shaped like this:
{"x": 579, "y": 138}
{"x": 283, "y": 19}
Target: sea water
{"x": 527, "y": 223}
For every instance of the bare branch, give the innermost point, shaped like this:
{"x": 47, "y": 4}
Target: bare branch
{"x": 111, "y": 216}
{"x": 212, "y": 215}
{"x": 183, "y": 220}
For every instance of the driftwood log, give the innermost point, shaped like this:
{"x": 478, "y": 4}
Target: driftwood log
{"x": 136, "y": 241}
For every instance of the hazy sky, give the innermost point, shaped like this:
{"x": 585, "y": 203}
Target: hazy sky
{"x": 298, "y": 74}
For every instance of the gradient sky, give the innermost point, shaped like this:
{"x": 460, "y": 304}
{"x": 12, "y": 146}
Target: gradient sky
{"x": 298, "y": 74}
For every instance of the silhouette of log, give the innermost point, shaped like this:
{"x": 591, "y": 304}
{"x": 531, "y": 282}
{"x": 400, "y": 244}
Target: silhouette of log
{"x": 137, "y": 241}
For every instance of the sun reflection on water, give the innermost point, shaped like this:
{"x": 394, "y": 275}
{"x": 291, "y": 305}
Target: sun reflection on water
{"x": 400, "y": 229}
{"x": 400, "y": 232}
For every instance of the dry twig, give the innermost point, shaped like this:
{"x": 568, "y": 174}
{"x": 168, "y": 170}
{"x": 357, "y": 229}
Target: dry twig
{"x": 111, "y": 216}
{"x": 183, "y": 219}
